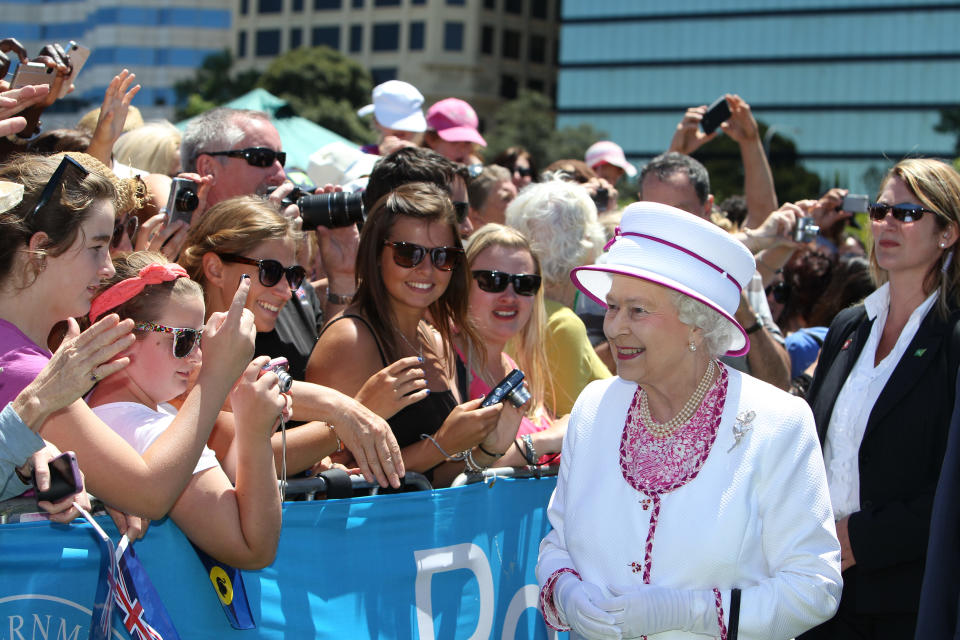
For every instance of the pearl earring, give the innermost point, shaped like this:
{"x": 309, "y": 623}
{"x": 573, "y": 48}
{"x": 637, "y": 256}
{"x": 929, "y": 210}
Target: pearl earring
{"x": 943, "y": 245}
{"x": 693, "y": 346}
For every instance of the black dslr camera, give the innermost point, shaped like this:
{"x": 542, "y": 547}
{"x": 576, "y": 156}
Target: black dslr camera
{"x": 331, "y": 210}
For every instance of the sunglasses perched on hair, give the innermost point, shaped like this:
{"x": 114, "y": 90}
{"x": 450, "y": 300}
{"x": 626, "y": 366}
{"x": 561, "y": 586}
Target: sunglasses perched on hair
{"x": 905, "y": 212}
{"x": 408, "y": 255}
{"x": 524, "y": 284}
{"x": 129, "y": 225}
{"x": 255, "y": 156}
{"x": 56, "y": 180}
{"x": 184, "y": 340}
{"x": 270, "y": 271}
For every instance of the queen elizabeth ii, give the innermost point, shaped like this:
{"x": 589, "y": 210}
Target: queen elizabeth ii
{"x": 692, "y": 498}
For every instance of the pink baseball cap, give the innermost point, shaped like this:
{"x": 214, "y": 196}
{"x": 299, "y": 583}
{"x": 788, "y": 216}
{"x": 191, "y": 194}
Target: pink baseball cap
{"x": 611, "y": 153}
{"x": 455, "y": 121}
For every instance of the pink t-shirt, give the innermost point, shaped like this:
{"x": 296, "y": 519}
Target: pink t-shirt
{"x": 21, "y": 360}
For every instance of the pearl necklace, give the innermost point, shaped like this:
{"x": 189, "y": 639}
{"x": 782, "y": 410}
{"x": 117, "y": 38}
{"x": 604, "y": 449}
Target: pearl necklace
{"x": 666, "y": 429}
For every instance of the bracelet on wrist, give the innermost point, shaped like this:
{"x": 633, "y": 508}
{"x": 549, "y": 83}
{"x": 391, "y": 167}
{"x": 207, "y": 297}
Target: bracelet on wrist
{"x": 530, "y": 453}
{"x": 339, "y": 442}
{"x": 338, "y": 298}
{"x": 490, "y": 453}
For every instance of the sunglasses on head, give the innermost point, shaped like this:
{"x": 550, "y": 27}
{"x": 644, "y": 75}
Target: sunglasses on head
{"x": 905, "y": 212}
{"x": 56, "y": 180}
{"x": 255, "y": 156}
{"x": 129, "y": 225}
{"x": 524, "y": 284}
{"x": 270, "y": 271}
{"x": 408, "y": 255}
{"x": 184, "y": 340}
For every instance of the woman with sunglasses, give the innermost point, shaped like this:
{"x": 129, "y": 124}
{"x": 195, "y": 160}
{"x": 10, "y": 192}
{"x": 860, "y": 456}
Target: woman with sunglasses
{"x": 239, "y": 526}
{"x": 247, "y": 235}
{"x": 521, "y": 165}
{"x": 53, "y": 257}
{"x": 506, "y": 307}
{"x": 410, "y": 264}
{"x": 882, "y": 397}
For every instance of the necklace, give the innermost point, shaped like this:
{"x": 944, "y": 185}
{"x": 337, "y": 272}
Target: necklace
{"x": 666, "y": 429}
{"x": 419, "y": 347}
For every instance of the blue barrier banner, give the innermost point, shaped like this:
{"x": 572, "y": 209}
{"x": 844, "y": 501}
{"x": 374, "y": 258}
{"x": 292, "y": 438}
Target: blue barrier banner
{"x": 453, "y": 564}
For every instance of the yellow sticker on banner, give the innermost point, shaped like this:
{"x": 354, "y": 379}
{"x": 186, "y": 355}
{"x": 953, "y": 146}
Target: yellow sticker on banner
{"x": 221, "y": 582}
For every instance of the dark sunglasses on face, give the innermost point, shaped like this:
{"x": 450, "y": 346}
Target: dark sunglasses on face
{"x": 523, "y": 171}
{"x": 408, "y": 255}
{"x": 270, "y": 271}
{"x": 255, "y": 156}
{"x": 56, "y": 180}
{"x": 524, "y": 284}
{"x": 779, "y": 290}
{"x": 905, "y": 212}
{"x": 184, "y": 340}
{"x": 128, "y": 225}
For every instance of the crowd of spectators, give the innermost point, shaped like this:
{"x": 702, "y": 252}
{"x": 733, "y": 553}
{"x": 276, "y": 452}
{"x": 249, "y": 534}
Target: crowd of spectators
{"x": 433, "y": 276}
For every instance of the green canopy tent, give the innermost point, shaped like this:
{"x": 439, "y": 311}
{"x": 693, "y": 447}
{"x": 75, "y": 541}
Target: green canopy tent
{"x": 300, "y": 136}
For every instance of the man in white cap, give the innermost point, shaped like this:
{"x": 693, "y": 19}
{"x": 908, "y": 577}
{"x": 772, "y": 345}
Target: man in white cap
{"x": 607, "y": 159}
{"x": 397, "y": 116}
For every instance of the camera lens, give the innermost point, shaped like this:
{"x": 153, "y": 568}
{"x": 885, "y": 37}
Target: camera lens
{"x": 285, "y": 380}
{"x": 331, "y": 210}
{"x": 186, "y": 199}
{"x": 519, "y": 396}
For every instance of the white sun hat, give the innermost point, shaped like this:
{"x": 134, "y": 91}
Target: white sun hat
{"x": 677, "y": 250}
{"x": 397, "y": 105}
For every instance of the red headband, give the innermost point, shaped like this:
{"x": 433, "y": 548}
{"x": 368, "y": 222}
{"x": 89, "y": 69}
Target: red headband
{"x": 131, "y": 287}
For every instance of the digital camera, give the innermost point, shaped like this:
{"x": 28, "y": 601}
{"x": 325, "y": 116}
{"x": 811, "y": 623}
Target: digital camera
{"x": 331, "y": 210}
{"x": 511, "y": 389}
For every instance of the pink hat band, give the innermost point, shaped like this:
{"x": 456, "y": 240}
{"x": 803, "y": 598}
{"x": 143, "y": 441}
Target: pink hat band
{"x": 128, "y": 289}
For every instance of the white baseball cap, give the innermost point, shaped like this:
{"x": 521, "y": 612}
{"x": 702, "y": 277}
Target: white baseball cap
{"x": 397, "y": 105}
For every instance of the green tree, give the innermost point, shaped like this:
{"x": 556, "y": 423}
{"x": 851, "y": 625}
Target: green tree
{"x": 950, "y": 123}
{"x": 529, "y": 121}
{"x": 793, "y": 182}
{"x": 212, "y": 85}
{"x": 324, "y": 86}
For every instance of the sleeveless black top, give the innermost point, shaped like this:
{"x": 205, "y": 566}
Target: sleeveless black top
{"x": 423, "y": 417}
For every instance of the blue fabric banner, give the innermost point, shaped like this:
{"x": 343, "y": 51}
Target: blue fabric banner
{"x": 452, "y": 564}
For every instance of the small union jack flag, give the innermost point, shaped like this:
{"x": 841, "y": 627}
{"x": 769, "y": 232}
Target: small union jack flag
{"x": 138, "y": 604}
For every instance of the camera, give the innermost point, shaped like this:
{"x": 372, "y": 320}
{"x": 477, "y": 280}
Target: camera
{"x": 806, "y": 230}
{"x": 331, "y": 210}
{"x": 510, "y": 388}
{"x": 600, "y": 198}
{"x": 281, "y": 367}
{"x": 183, "y": 200}
{"x": 717, "y": 113}
{"x": 65, "y": 479}
{"x": 855, "y": 203}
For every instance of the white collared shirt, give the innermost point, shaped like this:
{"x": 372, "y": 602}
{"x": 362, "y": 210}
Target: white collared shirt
{"x": 848, "y": 422}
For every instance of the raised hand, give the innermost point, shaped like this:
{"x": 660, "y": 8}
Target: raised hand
{"x": 394, "y": 387}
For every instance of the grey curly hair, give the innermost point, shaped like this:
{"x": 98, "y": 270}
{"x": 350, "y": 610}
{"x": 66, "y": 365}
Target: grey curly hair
{"x": 718, "y": 333}
{"x": 560, "y": 221}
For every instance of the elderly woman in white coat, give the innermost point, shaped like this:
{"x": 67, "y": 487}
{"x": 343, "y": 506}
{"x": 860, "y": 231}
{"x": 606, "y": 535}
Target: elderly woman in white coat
{"x": 692, "y": 498}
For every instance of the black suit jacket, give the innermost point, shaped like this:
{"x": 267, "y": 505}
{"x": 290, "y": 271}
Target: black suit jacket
{"x": 900, "y": 454}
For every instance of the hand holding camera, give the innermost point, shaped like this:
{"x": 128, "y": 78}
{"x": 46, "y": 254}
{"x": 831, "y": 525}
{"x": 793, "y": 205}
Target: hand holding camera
{"x": 257, "y": 399}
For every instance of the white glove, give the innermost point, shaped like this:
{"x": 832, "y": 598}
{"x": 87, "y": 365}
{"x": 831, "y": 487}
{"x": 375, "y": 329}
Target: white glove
{"x": 575, "y": 603}
{"x": 648, "y": 609}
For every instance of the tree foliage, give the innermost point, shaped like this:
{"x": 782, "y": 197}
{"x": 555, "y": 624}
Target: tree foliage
{"x": 212, "y": 85}
{"x": 528, "y": 121}
{"x": 324, "y": 86}
{"x": 950, "y": 123}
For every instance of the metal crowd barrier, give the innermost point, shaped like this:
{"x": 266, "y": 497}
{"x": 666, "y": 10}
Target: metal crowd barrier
{"x": 491, "y": 475}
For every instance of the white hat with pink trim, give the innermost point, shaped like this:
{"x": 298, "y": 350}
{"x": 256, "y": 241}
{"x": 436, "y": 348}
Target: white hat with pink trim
{"x": 677, "y": 250}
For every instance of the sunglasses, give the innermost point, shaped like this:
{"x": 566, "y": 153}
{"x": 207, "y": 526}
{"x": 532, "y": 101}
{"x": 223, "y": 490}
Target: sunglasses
{"x": 56, "y": 180}
{"x": 905, "y": 212}
{"x": 779, "y": 290}
{"x": 255, "y": 156}
{"x": 524, "y": 284}
{"x": 184, "y": 340}
{"x": 523, "y": 171}
{"x": 129, "y": 225}
{"x": 270, "y": 271}
{"x": 460, "y": 209}
{"x": 409, "y": 255}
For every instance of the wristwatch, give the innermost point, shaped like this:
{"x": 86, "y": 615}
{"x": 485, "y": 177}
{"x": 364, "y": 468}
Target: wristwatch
{"x": 337, "y": 298}
{"x": 756, "y": 326}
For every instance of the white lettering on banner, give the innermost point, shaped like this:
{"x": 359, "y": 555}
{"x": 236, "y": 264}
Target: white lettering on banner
{"x": 526, "y": 597}
{"x": 40, "y": 630}
{"x": 458, "y": 556}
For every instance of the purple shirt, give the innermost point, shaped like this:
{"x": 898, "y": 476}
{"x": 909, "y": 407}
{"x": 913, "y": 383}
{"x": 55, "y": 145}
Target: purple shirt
{"x": 21, "y": 359}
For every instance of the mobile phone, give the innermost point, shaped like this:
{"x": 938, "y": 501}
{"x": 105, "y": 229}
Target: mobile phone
{"x": 854, "y": 203}
{"x": 33, "y": 73}
{"x": 65, "y": 479}
{"x": 183, "y": 200}
{"x": 77, "y": 55}
{"x": 717, "y": 113}
{"x": 510, "y": 388}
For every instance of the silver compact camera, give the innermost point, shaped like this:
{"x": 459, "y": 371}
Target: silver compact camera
{"x": 806, "y": 230}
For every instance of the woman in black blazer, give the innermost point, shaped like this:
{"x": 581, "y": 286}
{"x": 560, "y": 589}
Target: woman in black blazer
{"x": 882, "y": 398}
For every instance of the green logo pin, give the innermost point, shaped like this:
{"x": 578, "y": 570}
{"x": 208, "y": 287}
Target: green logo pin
{"x": 919, "y": 352}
